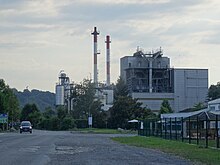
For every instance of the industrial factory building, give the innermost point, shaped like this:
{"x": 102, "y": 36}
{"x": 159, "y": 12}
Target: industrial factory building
{"x": 63, "y": 91}
{"x": 104, "y": 92}
{"x": 150, "y": 79}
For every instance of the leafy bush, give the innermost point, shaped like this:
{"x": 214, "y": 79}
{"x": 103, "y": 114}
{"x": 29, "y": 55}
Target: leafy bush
{"x": 67, "y": 123}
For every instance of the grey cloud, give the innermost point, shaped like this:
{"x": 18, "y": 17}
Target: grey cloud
{"x": 81, "y": 14}
{"x": 96, "y": 12}
{"x": 8, "y": 4}
{"x": 191, "y": 27}
{"x": 10, "y": 45}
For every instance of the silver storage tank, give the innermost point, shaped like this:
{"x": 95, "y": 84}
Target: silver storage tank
{"x": 59, "y": 95}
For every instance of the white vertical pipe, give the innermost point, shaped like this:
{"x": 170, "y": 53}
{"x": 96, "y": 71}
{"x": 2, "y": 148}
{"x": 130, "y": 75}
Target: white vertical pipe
{"x": 95, "y": 34}
{"x": 108, "y": 60}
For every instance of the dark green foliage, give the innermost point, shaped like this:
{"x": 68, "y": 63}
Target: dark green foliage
{"x": 165, "y": 107}
{"x": 67, "y": 123}
{"x": 100, "y": 119}
{"x": 198, "y": 106}
{"x": 85, "y": 100}
{"x": 81, "y": 123}
{"x": 31, "y": 113}
{"x": 214, "y": 91}
{"x": 40, "y": 98}
{"x": 8, "y": 102}
{"x": 54, "y": 123}
{"x": 61, "y": 112}
{"x": 120, "y": 89}
{"x": 45, "y": 123}
{"x": 48, "y": 113}
{"x": 124, "y": 109}
{"x": 86, "y": 104}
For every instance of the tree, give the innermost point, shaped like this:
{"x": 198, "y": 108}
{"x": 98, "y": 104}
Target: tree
{"x": 124, "y": 109}
{"x": 198, "y": 106}
{"x": 48, "y": 113}
{"x": 86, "y": 103}
{"x": 67, "y": 123}
{"x": 31, "y": 112}
{"x": 85, "y": 92}
{"x": 120, "y": 88}
{"x": 8, "y": 102}
{"x": 61, "y": 112}
{"x": 214, "y": 91}
{"x": 99, "y": 116}
{"x": 165, "y": 107}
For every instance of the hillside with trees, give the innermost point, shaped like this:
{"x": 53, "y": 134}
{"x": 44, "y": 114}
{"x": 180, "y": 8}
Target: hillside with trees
{"x": 42, "y": 99}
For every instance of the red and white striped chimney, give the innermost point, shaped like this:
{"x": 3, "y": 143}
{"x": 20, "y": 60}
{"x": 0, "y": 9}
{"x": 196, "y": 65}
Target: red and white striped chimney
{"x": 108, "y": 60}
{"x": 95, "y": 34}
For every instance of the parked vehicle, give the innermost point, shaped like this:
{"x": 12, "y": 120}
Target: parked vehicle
{"x": 25, "y": 126}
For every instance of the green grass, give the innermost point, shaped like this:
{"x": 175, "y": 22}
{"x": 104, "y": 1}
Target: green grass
{"x": 202, "y": 142}
{"x": 187, "y": 151}
{"x": 104, "y": 131}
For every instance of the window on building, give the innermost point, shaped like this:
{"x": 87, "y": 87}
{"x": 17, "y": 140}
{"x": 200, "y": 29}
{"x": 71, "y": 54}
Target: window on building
{"x": 212, "y": 107}
{"x": 129, "y": 64}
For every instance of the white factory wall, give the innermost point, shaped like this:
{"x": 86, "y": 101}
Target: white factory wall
{"x": 154, "y": 100}
{"x": 190, "y": 87}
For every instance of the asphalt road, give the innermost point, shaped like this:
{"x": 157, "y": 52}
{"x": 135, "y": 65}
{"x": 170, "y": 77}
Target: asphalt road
{"x": 54, "y": 148}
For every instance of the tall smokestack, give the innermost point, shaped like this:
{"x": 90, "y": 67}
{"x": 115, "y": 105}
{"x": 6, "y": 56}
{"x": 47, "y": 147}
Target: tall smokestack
{"x": 95, "y": 34}
{"x": 108, "y": 60}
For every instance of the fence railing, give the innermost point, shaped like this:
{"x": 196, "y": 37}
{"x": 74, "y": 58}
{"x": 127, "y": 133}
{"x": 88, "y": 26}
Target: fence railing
{"x": 203, "y": 131}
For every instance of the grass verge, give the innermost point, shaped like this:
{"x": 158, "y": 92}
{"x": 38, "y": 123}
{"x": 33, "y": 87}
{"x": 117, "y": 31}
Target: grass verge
{"x": 104, "y": 131}
{"x": 187, "y": 151}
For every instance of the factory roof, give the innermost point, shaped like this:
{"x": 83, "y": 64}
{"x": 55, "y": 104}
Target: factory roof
{"x": 184, "y": 115}
{"x": 201, "y": 113}
{"x": 216, "y": 101}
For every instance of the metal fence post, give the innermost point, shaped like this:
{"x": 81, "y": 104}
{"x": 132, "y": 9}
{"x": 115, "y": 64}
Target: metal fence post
{"x": 170, "y": 128}
{"x": 161, "y": 128}
{"x": 197, "y": 130}
{"x": 176, "y": 128}
{"x": 189, "y": 132}
{"x": 216, "y": 126}
{"x": 206, "y": 136}
{"x": 156, "y": 127}
{"x": 165, "y": 128}
{"x": 182, "y": 128}
{"x": 146, "y": 128}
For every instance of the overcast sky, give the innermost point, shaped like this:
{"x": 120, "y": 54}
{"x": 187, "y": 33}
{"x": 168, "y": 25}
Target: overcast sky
{"x": 38, "y": 38}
